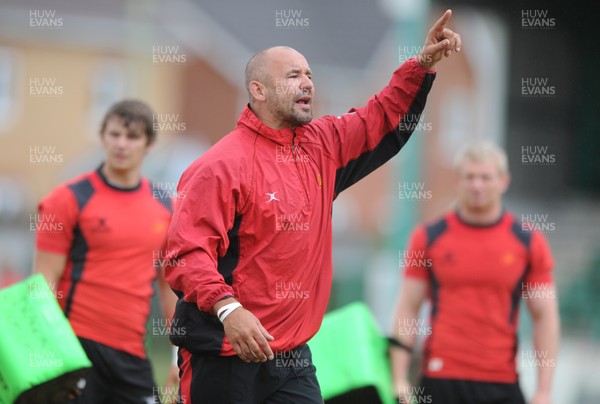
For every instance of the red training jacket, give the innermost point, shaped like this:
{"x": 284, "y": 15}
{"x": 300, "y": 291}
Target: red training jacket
{"x": 254, "y": 216}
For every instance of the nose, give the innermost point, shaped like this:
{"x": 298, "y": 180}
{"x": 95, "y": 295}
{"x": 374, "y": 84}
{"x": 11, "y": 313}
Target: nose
{"x": 121, "y": 141}
{"x": 306, "y": 84}
{"x": 476, "y": 183}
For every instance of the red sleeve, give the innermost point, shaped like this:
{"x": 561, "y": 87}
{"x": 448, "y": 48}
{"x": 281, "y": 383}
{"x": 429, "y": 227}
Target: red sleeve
{"x": 198, "y": 233}
{"x": 56, "y": 220}
{"x": 352, "y": 139}
{"x": 414, "y": 259}
{"x": 542, "y": 262}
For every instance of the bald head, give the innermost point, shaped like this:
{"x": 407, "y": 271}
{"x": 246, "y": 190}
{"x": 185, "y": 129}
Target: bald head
{"x": 259, "y": 66}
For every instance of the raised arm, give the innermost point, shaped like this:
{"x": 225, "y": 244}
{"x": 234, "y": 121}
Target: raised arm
{"x": 365, "y": 138}
{"x": 439, "y": 43}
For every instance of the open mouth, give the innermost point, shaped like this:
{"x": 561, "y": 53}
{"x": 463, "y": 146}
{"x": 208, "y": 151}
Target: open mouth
{"x": 305, "y": 101}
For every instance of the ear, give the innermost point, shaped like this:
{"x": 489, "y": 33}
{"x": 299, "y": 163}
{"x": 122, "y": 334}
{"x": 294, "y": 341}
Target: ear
{"x": 257, "y": 90}
{"x": 102, "y": 137}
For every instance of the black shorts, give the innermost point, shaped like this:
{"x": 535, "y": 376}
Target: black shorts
{"x": 455, "y": 391}
{"x": 289, "y": 378}
{"x": 116, "y": 377}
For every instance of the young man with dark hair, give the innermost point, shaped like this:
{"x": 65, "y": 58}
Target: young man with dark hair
{"x": 105, "y": 229}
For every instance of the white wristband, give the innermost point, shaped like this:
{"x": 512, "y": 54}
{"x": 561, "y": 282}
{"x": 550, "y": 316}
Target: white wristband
{"x": 226, "y": 310}
{"x": 174, "y": 360}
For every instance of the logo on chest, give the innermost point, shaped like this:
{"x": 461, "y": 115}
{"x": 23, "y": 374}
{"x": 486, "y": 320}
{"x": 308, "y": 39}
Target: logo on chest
{"x": 448, "y": 258}
{"x": 508, "y": 258}
{"x": 271, "y": 196}
{"x": 100, "y": 226}
{"x": 284, "y": 221}
{"x": 159, "y": 226}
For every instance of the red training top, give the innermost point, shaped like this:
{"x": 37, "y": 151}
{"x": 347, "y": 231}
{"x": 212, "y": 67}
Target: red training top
{"x": 112, "y": 237}
{"x": 477, "y": 276}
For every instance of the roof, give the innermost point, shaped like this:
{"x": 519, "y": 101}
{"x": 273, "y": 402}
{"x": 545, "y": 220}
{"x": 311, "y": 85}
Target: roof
{"x": 332, "y": 32}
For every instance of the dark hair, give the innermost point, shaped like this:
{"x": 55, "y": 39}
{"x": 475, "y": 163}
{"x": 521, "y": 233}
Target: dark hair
{"x": 132, "y": 111}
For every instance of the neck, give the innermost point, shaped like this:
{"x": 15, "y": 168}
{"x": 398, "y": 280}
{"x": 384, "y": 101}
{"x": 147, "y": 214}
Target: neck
{"x": 480, "y": 217}
{"x": 266, "y": 118}
{"x": 121, "y": 178}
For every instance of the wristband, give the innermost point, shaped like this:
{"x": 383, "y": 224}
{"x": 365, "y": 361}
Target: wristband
{"x": 175, "y": 356}
{"x": 226, "y": 310}
{"x": 224, "y": 307}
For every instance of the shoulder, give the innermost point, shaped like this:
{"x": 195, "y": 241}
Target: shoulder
{"x": 226, "y": 162}
{"x": 160, "y": 192}
{"x": 520, "y": 229}
{"x": 79, "y": 189}
{"x": 433, "y": 229}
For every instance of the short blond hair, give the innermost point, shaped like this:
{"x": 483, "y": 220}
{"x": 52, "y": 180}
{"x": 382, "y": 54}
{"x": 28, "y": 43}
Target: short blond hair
{"x": 482, "y": 151}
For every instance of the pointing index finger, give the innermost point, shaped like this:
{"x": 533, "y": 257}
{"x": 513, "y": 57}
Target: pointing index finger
{"x": 441, "y": 23}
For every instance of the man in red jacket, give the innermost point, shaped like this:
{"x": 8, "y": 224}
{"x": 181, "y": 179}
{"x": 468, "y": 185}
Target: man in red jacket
{"x": 250, "y": 244}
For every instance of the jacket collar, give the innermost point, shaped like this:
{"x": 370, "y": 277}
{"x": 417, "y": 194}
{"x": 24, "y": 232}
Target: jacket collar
{"x": 250, "y": 120}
